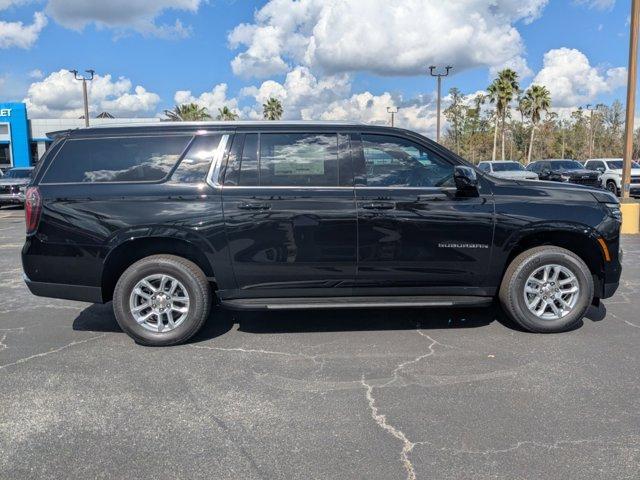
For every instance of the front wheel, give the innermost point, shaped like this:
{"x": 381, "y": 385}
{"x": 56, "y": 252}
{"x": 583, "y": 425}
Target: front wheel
{"x": 612, "y": 187}
{"x": 547, "y": 289}
{"x": 162, "y": 300}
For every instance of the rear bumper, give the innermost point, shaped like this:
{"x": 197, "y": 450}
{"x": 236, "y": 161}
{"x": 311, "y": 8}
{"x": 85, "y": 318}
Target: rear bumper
{"x": 81, "y": 293}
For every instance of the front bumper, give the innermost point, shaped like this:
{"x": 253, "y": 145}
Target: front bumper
{"x": 12, "y": 198}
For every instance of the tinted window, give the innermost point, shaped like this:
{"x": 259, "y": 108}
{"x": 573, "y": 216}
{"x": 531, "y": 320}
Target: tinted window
{"x": 195, "y": 165}
{"x": 507, "y": 167}
{"x": 566, "y": 165}
{"x": 298, "y": 159}
{"x": 397, "y": 162}
{"x": 484, "y": 167}
{"x": 126, "y": 159}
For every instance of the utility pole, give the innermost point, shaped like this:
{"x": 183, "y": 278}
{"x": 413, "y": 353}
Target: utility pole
{"x": 85, "y": 96}
{"x": 433, "y": 73}
{"x": 631, "y": 97}
{"x": 392, "y": 111}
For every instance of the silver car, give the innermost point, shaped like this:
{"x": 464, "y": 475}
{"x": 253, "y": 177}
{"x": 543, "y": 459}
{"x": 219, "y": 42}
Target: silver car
{"x": 507, "y": 169}
{"x": 13, "y": 185}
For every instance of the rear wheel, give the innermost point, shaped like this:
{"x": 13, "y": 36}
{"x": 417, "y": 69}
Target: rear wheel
{"x": 547, "y": 289}
{"x": 162, "y": 300}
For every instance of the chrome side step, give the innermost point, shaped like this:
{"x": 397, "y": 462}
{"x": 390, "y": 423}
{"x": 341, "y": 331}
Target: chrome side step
{"x": 302, "y": 303}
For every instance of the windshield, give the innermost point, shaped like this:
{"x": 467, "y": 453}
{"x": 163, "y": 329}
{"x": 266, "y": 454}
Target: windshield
{"x": 617, "y": 164}
{"x": 566, "y": 165}
{"x": 507, "y": 166}
{"x": 17, "y": 173}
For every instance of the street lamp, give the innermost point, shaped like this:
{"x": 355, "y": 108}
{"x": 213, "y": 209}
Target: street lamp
{"x": 392, "y": 111}
{"x": 84, "y": 79}
{"x": 433, "y": 73}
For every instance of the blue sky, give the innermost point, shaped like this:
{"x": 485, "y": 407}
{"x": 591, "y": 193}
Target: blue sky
{"x": 361, "y": 59}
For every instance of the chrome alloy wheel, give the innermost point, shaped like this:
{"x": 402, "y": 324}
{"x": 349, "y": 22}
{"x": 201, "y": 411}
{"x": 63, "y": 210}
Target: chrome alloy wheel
{"x": 551, "y": 292}
{"x": 159, "y": 303}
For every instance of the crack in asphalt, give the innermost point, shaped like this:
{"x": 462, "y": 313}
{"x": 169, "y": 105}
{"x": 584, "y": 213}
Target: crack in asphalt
{"x": 49, "y": 352}
{"x": 548, "y": 446}
{"x": 381, "y": 421}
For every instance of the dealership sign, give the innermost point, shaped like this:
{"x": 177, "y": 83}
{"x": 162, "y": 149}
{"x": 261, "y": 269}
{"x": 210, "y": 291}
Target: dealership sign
{"x": 5, "y": 112}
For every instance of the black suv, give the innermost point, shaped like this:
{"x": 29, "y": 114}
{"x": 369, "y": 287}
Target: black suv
{"x": 162, "y": 219}
{"x": 565, "y": 171}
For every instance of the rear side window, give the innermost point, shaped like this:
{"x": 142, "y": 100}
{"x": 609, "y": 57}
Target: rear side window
{"x": 296, "y": 159}
{"x": 292, "y": 159}
{"x": 116, "y": 159}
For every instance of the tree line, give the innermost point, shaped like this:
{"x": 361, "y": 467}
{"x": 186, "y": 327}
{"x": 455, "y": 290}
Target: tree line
{"x": 192, "y": 112}
{"x": 519, "y": 125}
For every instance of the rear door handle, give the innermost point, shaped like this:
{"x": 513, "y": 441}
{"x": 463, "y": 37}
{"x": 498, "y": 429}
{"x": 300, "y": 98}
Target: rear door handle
{"x": 254, "y": 206}
{"x": 379, "y": 206}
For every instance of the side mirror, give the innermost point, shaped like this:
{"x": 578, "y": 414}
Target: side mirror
{"x": 465, "y": 178}
{"x": 546, "y": 172}
{"x": 600, "y": 169}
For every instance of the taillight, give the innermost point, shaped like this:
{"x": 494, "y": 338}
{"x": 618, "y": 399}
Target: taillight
{"x": 32, "y": 209}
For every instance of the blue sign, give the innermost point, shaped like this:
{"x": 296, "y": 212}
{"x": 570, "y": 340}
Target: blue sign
{"x": 16, "y": 115}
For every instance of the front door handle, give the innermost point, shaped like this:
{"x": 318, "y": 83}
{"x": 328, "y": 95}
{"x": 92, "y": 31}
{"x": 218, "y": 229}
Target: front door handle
{"x": 254, "y": 206}
{"x": 379, "y": 206}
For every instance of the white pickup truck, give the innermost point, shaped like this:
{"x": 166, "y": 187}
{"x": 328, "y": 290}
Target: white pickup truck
{"x": 611, "y": 170}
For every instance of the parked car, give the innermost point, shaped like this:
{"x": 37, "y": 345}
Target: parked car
{"x": 161, "y": 219}
{"x": 507, "y": 169}
{"x": 13, "y": 184}
{"x": 569, "y": 171}
{"x": 611, "y": 174}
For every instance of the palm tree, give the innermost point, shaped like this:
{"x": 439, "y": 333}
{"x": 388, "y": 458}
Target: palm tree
{"x": 536, "y": 100}
{"x": 226, "y": 114}
{"x": 187, "y": 112}
{"x": 501, "y": 92}
{"x": 272, "y": 110}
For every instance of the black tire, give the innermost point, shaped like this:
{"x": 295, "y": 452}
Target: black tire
{"x": 612, "y": 187}
{"x": 513, "y": 283}
{"x": 194, "y": 281}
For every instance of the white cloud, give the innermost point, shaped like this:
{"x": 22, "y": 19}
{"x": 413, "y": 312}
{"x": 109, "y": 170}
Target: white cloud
{"x": 597, "y": 4}
{"x": 137, "y": 15}
{"x": 212, "y": 101}
{"x": 302, "y": 94}
{"x": 573, "y": 81}
{"x": 380, "y": 36}
{"x": 17, "y": 34}
{"x": 59, "y": 95}
{"x": 36, "y": 73}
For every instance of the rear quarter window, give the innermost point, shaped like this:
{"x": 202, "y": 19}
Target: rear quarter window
{"x": 116, "y": 159}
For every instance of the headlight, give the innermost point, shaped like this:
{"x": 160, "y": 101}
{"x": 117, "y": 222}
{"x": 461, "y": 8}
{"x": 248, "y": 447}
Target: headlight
{"x": 614, "y": 210}
{"x": 22, "y": 189}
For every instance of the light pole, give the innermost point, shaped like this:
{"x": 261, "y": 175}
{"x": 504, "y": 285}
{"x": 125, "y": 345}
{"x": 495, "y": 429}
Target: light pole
{"x": 85, "y": 96}
{"x": 631, "y": 98}
{"x": 433, "y": 73}
{"x": 392, "y": 111}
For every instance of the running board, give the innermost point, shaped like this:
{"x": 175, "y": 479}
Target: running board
{"x": 355, "y": 302}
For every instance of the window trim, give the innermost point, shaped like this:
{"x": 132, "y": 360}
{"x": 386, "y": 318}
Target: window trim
{"x": 190, "y": 138}
{"x": 213, "y": 176}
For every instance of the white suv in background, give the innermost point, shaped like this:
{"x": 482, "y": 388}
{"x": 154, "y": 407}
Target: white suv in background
{"x": 611, "y": 170}
{"x": 507, "y": 169}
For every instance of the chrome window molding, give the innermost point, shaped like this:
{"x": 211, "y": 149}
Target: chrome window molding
{"x": 213, "y": 177}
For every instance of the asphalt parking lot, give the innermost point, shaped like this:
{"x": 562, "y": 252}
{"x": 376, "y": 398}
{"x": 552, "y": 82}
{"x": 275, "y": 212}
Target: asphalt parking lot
{"x": 393, "y": 394}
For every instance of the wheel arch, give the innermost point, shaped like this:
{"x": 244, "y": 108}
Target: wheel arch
{"x": 131, "y": 250}
{"x": 580, "y": 239}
